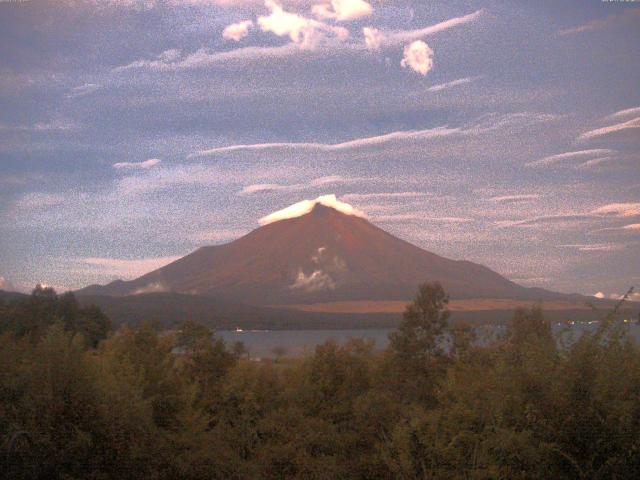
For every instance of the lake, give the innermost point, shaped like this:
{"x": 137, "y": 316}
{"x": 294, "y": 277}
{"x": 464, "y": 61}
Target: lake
{"x": 261, "y": 343}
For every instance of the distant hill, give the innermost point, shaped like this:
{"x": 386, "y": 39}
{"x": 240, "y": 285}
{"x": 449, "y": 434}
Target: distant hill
{"x": 322, "y": 256}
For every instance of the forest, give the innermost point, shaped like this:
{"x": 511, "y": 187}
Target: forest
{"x": 79, "y": 400}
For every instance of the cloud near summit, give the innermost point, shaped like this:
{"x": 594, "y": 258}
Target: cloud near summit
{"x": 305, "y": 206}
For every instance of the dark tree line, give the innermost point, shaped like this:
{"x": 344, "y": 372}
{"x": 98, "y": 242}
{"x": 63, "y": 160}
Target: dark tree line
{"x": 78, "y": 402}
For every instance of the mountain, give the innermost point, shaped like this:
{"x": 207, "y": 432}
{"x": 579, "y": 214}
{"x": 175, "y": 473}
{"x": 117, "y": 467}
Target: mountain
{"x": 321, "y": 256}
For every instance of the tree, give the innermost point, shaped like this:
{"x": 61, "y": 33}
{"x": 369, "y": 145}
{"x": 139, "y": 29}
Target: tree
{"x": 424, "y": 323}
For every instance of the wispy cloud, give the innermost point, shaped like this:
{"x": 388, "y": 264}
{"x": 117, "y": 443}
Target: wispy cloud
{"x": 319, "y": 43}
{"x": 384, "y": 196}
{"x": 315, "y": 183}
{"x": 625, "y": 113}
{"x": 323, "y": 147}
{"x": 515, "y": 198}
{"x": 561, "y": 157}
{"x": 628, "y": 209}
{"x": 83, "y": 90}
{"x": 403, "y": 36}
{"x": 152, "y": 162}
{"x": 634, "y": 123}
{"x": 597, "y": 247}
{"x": 628, "y": 16}
{"x": 454, "y": 83}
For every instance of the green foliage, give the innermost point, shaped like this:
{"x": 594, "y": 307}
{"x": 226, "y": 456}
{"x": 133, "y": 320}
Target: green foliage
{"x": 44, "y": 308}
{"x": 435, "y": 405}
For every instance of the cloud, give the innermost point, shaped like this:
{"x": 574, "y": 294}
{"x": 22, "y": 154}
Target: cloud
{"x": 305, "y": 206}
{"x": 618, "y": 210}
{"x": 384, "y": 195}
{"x": 155, "y": 287}
{"x": 152, "y": 162}
{"x": 316, "y": 281}
{"x": 569, "y": 156}
{"x": 628, "y": 16}
{"x": 399, "y": 37}
{"x": 632, "y": 226}
{"x": 594, "y": 162}
{"x": 37, "y": 200}
{"x": 205, "y": 57}
{"x": 46, "y": 126}
{"x": 453, "y": 83}
{"x": 418, "y": 56}
{"x": 342, "y": 10}
{"x": 276, "y": 187}
{"x": 515, "y": 198}
{"x": 373, "y": 38}
{"x": 598, "y": 247}
{"x": 6, "y": 285}
{"x": 317, "y": 33}
{"x": 305, "y": 32}
{"x": 618, "y": 127}
{"x": 237, "y": 31}
{"x": 125, "y": 269}
{"x": 625, "y": 113}
{"x": 436, "y": 132}
{"x": 83, "y": 90}
{"x": 419, "y": 217}
{"x": 599, "y": 295}
{"x": 545, "y": 220}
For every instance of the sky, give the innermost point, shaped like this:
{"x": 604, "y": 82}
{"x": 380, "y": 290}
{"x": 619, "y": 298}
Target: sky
{"x": 134, "y": 131}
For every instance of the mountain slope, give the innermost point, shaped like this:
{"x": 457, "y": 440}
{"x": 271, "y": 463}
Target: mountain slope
{"x": 321, "y": 256}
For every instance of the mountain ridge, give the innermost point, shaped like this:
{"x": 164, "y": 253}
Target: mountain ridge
{"x": 321, "y": 256}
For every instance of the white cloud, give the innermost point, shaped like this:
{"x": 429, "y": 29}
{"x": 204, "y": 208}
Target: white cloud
{"x": 342, "y": 10}
{"x": 632, "y": 226}
{"x": 625, "y": 113}
{"x": 237, "y": 31}
{"x": 418, "y": 56}
{"x": 599, "y": 295}
{"x": 305, "y": 206}
{"x": 514, "y": 198}
{"x": 436, "y": 132}
{"x": 305, "y": 32}
{"x": 174, "y": 60}
{"x": 373, "y": 38}
{"x": 569, "y": 156}
{"x": 155, "y": 287}
{"x": 276, "y": 187}
{"x": 152, "y": 162}
{"x": 453, "y": 83}
{"x": 83, "y": 90}
{"x": 402, "y": 36}
{"x": 618, "y": 210}
{"x": 384, "y": 196}
{"x": 618, "y": 127}
{"x": 594, "y": 163}
{"x": 316, "y": 281}
{"x": 6, "y": 285}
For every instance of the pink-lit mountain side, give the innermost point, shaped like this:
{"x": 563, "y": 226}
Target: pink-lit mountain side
{"x": 326, "y": 256}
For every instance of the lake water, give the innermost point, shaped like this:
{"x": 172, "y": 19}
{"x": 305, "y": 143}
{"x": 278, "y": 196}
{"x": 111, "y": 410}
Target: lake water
{"x": 261, "y": 343}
